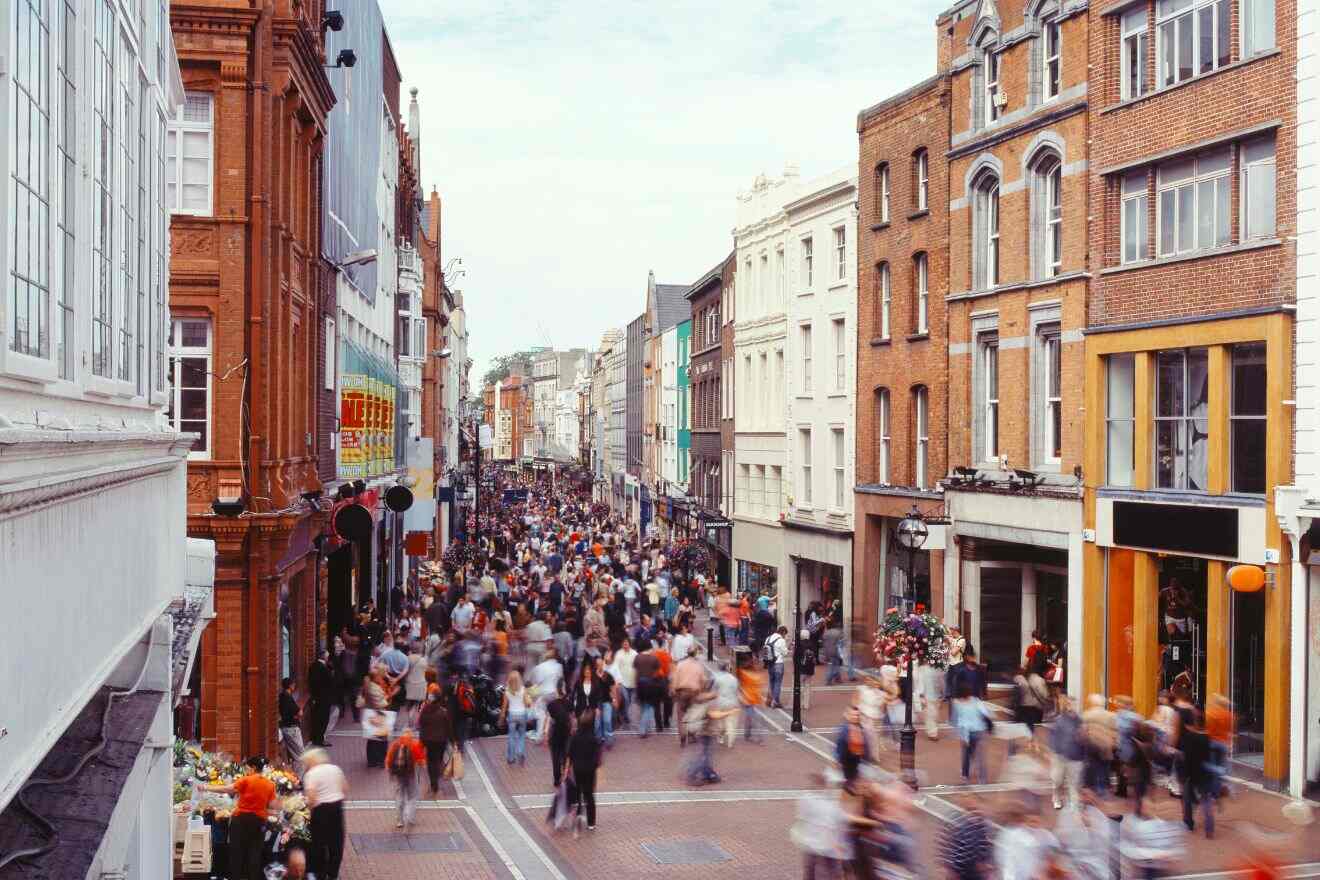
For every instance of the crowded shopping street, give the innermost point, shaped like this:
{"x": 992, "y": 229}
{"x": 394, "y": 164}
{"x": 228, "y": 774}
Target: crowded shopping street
{"x": 557, "y": 698}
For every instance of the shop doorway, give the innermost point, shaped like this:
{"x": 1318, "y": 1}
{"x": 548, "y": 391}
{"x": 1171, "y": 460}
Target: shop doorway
{"x": 1182, "y": 583}
{"x": 1247, "y": 682}
{"x": 1001, "y": 621}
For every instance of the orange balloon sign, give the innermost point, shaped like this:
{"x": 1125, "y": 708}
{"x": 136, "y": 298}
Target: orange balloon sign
{"x": 1246, "y": 578}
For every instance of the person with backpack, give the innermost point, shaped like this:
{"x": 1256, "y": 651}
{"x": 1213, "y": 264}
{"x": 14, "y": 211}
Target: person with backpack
{"x": 774, "y": 653}
{"x": 402, "y": 759}
{"x": 433, "y": 725}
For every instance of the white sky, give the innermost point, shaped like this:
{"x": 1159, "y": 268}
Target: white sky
{"x": 577, "y": 145}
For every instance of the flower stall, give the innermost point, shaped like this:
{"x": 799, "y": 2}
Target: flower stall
{"x": 194, "y": 809}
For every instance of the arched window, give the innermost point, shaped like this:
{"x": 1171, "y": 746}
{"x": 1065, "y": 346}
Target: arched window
{"x": 884, "y": 301}
{"x": 920, "y": 436}
{"x": 1047, "y": 215}
{"x": 920, "y": 293}
{"x": 882, "y": 429}
{"x": 921, "y": 179}
{"x": 882, "y": 193}
{"x": 985, "y": 231}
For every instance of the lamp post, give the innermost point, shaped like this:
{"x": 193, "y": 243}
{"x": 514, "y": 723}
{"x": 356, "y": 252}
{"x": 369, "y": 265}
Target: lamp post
{"x": 796, "y": 726}
{"x": 912, "y": 534}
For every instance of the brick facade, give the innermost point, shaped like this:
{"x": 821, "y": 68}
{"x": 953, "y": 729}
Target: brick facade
{"x": 706, "y": 377}
{"x": 252, "y": 269}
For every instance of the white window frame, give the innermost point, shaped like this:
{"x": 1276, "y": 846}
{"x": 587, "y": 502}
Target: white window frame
{"x": 921, "y": 435}
{"x": 883, "y": 191}
{"x": 985, "y": 231}
{"x": 987, "y": 353}
{"x": 886, "y": 300}
{"x": 1255, "y": 169}
{"x": 1187, "y": 14}
{"x": 178, "y": 352}
{"x": 806, "y": 357}
{"x": 1046, "y": 386}
{"x": 1219, "y": 177}
{"x": 839, "y": 441}
{"x": 840, "y": 253}
{"x": 1114, "y": 433}
{"x": 921, "y": 286}
{"x": 883, "y": 427}
{"x": 1135, "y": 49}
{"x": 808, "y": 269}
{"x": 1254, "y": 16}
{"x": 804, "y": 449}
{"x": 331, "y": 354}
{"x": 839, "y": 328}
{"x": 178, "y": 127}
{"x": 1051, "y": 70}
{"x": 922, "y": 163}
{"x": 1134, "y": 231}
{"x": 991, "y": 90}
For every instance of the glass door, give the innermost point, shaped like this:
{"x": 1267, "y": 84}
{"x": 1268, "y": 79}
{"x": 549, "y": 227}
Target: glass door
{"x": 1182, "y": 607}
{"x": 1247, "y": 675}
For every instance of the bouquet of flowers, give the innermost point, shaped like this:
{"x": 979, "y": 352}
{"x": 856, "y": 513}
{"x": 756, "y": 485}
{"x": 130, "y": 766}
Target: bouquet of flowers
{"x": 917, "y": 635}
{"x": 458, "y": 554}
{"x": 692, "y": 556}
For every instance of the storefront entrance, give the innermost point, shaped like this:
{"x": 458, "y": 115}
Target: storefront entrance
{"x": 1248, "y": 677}
{"x": 1182, "y": 610}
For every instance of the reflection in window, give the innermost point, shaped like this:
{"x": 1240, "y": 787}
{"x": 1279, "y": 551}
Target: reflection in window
{"x": 1119, "y": 419}
{"x": 1182, "y": 427}
{"x": 1247, "y": 453}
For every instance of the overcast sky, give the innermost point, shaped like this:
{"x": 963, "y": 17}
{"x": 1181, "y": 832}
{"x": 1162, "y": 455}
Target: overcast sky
{"x": 577, "y": 145}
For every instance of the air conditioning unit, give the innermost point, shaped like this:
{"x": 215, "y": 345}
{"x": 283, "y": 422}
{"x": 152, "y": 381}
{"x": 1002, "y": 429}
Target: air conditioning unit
{"x": 1001, "y": 99}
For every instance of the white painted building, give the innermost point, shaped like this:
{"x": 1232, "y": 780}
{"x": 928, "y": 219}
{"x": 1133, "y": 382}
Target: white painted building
{"x": 616, "y": 395}
{"x": 821, "y": 344}
{"x": 93, "y": 477}
{"x": 1298, "y": 506}
{"x": 761, "y": 319}
{"x": 667, "y": 417}
{"x": 410, "y": 337}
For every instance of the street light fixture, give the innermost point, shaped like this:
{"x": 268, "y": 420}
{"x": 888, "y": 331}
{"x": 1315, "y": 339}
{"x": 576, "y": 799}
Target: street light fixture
{"x": 912, "y": 534}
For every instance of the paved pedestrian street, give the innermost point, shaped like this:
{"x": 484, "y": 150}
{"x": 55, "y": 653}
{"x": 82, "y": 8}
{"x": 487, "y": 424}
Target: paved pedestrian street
{"x": 651, "y": 823}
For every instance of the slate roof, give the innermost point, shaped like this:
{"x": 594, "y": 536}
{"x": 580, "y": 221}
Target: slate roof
{"x": 671, "y": 307}
{"x": 80, "y": 809}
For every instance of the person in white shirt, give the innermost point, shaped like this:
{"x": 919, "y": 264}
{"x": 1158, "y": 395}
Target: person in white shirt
{"x": 545, "y": 678}
{"x": 682, "y": 644}
{"x": 325, "y": 787}
{"x": 461, "y": 619}
{"x": 625, "y": 676}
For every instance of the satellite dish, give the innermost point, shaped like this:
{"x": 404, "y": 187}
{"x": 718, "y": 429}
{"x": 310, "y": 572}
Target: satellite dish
{"x": 398, "y": 498}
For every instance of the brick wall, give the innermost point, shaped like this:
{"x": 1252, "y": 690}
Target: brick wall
{"x": 1248, "y": 93}
{"x": 891, "y": 134}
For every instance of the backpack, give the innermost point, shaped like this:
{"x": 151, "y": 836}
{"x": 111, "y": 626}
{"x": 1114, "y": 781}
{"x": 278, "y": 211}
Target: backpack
{"x": 467, "y": 697}
{"x": 768, "y": 650}
{"x": 402, "y": 764}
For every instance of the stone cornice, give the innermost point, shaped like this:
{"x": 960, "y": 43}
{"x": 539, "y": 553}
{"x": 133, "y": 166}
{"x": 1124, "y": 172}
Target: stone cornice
{"x": 25, "y": 493}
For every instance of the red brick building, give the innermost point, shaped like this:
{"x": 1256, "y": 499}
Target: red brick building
{"x": 903, "y": 270}
{"x": 508, "y": 410}
{"x": 1188, "y": 358}
{"x": 245, "y": 295}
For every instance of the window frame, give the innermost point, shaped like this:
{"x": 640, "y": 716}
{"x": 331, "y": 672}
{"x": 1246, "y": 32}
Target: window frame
{"x": 882, "y": 192}
{"x": 990, "y": 88}
{"x": 1134, "y": 47}
{"x": 884, "y": 427}
{"x": 1194, "y": 12}
{"x": 840, "y": 253}
{"x": 178, "y": 352}
{"x": 177, "y": 127}
{"x": 1235, "y": 419}
{"x": 1140, "y": 199}
{"x": 921, "y": 177}
{"x": 1051, "y": 71}
{"x": 921, "y": 436}
{"x": 988, "y": 352}
{"x": 1184, "y": 422}
{"x": 805, "y": 467}
{"x": 921, "y": 293}
{"x": 839, "y": 442}
{"x": 806, "y": 247}
{"x": 806, "y": 342}
{"x": 1047, "y": 389}
{"x": 839, "y": 328}
{"x": 1245, "y": 175}
{"x": 886, "y": 300}
{"x": 1195, "y": 182}
{"x": 986, "y": 231}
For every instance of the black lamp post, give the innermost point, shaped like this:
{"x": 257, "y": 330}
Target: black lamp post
{"x": 796, "y": 726}
{"x": 912, "y": 534}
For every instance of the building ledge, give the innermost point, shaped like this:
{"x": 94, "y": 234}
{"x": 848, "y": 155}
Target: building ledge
{"x": 1204, "y": 254}
{"x": 898, "y": 491}
{"x": 1175, "y": 496}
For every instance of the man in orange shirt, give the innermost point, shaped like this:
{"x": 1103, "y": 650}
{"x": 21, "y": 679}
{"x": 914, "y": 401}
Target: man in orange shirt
{"x": 751, "y": 692}
{"x": 247, "y": 827}
{"x": 666, "y": 659}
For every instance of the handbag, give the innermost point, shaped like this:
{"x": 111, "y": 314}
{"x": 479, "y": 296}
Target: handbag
{"x": 454, "y": 766}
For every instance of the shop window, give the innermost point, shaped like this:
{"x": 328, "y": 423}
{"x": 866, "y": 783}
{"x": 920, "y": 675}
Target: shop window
{"x": 1182, "y": 428}
{"x": 1120, "y": 419}
{"x": 1247, "y": 416}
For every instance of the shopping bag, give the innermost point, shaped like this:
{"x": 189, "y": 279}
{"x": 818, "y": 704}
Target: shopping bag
{"x": 377, "y": 724}
{"x": 454, "y": 766}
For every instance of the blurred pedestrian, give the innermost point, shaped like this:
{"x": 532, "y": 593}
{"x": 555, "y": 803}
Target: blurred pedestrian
{"x": 435, "y": 732}
{"x": 513, "y": 714}
{"x": 971, "y": 719}
{"x": 325, "y": 788}
{"x": 1066, "y": 753}
{"x": 403, "y": 758}
{"x": 584, "y": 755}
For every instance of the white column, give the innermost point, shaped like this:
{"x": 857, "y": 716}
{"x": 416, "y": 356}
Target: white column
{"x": 971, "y": 581}
{"x": 952, "y": 577}
{"x": 1028, "y": 609}
{"x": 1076, "y": 601}
{"x": 1298, "y": 703}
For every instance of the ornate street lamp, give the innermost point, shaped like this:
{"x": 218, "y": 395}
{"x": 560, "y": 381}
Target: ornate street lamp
{"x": 912, "y": 534}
